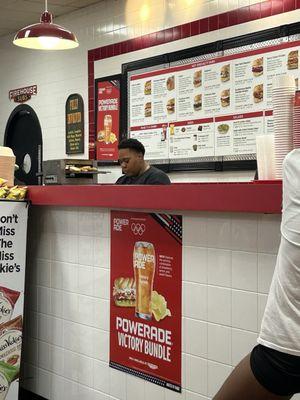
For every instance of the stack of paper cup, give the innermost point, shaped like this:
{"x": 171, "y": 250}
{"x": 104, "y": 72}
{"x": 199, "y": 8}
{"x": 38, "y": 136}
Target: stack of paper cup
{"x": 7, "y": 165}
{"x": 296, "y": 121}
{"x": 265, "y": 157}
{"x": 283, "y": 92}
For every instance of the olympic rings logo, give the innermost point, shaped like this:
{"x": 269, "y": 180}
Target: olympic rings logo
{"x": 138, "y": 229}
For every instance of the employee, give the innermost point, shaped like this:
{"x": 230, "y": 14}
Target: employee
{"x": 135, "y": 169}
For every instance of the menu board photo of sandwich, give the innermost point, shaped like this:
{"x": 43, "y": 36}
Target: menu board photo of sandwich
{"x": 197, "y": 78}
{"x": 225, "y": 73}
{"x": 170, "y": 83}
{"x": 147, "y": 88}
{"x": 292, "y": 61}
{"x": 225, "y": 98}
{"x": 258, "y": 66}
{"x": 258, "y": 93}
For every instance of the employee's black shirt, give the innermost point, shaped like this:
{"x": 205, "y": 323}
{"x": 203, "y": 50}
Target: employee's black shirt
{"x": 152, "y": 176}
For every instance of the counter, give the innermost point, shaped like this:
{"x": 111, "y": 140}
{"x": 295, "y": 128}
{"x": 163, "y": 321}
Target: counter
{"x": 231, "y": 234}
{"x": 222, "y": 197}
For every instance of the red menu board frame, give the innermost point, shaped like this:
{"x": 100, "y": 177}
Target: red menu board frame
{"x": 146, "y": 296}
{"x": 107, "y": 112}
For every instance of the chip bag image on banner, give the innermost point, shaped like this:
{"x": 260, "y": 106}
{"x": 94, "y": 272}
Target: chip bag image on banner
{"x": 145, "y": 301}
{"x": 13, "y": 235}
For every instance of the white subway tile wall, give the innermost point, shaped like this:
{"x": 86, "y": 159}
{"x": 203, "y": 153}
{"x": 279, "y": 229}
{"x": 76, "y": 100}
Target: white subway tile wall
{"x": 66, "y": 347}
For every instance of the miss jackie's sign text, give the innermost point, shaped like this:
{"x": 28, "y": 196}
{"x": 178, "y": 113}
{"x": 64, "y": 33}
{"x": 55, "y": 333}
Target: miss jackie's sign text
{"x": 7, "y": 235}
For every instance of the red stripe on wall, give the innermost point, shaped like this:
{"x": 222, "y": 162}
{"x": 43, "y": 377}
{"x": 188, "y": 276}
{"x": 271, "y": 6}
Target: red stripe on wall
{"x": 209, "y": 24}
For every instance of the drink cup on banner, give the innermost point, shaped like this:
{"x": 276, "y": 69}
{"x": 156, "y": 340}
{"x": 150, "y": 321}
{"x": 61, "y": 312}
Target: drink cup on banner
{"x": 107, "y": 127}
{"x": 144, "y": 270}
{"x": 265, "y": 157}
{"x": 283, "y": 92}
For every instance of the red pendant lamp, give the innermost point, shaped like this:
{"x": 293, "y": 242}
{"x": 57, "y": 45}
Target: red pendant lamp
{"x": 45, "y": 35}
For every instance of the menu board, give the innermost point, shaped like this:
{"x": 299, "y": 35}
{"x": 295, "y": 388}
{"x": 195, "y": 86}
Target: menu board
{"x": 209, "y": 108}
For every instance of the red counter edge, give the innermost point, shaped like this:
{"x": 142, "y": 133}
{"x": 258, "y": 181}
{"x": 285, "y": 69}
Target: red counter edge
{"x": 220, "y": 197}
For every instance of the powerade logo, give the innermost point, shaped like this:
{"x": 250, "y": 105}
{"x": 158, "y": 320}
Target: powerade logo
{"x": 118, "y": 224}
{"x": 140, "y": 260}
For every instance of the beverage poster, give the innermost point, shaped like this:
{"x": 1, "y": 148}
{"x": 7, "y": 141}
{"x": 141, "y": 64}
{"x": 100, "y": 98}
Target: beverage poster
{"x": 13, "y": 218}
{"x": 107, "y": 118}
{"x": 145, "y": 301}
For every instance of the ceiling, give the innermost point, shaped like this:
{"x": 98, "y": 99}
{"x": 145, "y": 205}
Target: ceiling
{"x": 15, "y": 14}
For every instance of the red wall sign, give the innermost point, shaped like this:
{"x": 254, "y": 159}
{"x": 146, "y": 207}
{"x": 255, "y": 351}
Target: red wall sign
{"x": 22, "y": 95}
{"x": 145, "y": 312}
{"x": 108, "y": 118}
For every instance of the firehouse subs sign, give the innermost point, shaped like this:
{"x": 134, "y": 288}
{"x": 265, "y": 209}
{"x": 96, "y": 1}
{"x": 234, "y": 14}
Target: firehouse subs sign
{"x": 22, "y": 95}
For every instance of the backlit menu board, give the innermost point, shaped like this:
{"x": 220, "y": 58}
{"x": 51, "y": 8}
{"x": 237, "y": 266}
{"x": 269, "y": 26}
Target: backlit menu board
{"x": 209, "y": 108}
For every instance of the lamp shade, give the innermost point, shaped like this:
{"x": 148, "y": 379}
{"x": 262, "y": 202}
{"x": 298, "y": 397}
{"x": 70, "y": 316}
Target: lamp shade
{"x": 45, "y": 36}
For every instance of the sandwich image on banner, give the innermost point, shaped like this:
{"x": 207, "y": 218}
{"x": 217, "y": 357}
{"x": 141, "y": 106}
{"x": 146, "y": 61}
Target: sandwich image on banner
{"x": 225, "y": 73}
{"x": 258, "y": 66}
{"x": 292, "y": 62}
{"x": 124, "y": 292}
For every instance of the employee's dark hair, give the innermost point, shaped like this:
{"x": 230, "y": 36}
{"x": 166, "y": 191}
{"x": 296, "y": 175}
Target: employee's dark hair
{"x": 132, "y": 144}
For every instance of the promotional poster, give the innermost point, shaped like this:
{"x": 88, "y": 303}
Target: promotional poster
{"x": 13, "y": 228}
{"x": 145, "y": 301}
{"x": 74, "y": 124}
{"x": 108, "y": 118}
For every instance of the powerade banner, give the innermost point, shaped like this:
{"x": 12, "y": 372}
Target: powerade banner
{"x": 13, "y": 228}
{"x": 145, "y": 301}
{"x": 107, "y": 118}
